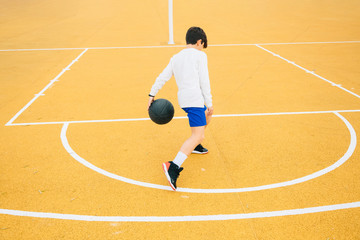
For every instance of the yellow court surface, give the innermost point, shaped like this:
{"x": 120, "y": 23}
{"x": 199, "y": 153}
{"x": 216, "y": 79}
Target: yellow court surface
{"x": 80, "y": 158}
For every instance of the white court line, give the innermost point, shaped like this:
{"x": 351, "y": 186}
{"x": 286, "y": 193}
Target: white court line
{"x": 176, "y": 46}
{"x": 41, "y": 93}
{"x": 314, "y": 175}
{"x": 181, "y": 117}
{"x": 183, "y": 218}
{"x": 10, "y": 123}
{"x": 308, "y": 71}
{"x": 220, "y": 217}
{"x": 288, "y": 43}
{"x": 90, "y": 48}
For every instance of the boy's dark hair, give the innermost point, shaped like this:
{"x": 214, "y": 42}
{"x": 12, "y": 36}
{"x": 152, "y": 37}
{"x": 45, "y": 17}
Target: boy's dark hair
{"x": 194, "y": 34}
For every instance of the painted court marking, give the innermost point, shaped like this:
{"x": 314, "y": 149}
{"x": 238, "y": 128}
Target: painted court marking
{"x": 180, "y": 117}
{"x": 175, "y": 46}
{"x": 308, "y": 71}
{"x": 219, "y": 217}
{"x": 41, "y": 93}
{"x": 337, "y": 164}
{"x": 300, "y": 211}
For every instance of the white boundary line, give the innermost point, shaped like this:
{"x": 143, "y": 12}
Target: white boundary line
{"x": 41, "y": 93}
{"x": 10, "y": 123}
{"x": 90, "y": 48}
{"x": 219, "y": 217}
{"x": 289, "y": 43}
{"x": 176, "y": 46}
{"x": 182, "y": 117}
{"x": 311, "y": 72}
{"x": 314, "y": 175}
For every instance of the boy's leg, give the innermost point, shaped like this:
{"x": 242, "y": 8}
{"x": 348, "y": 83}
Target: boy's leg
{"x": 197, "y": 136}
{"x": 172, "y": 169}
{"x": 199, "y": 149}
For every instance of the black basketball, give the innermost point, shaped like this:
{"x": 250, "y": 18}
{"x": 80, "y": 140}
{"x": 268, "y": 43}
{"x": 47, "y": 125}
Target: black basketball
{"x": 161, "y": 111}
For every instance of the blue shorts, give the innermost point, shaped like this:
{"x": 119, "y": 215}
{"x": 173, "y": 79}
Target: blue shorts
{"x": 196, "y": 115}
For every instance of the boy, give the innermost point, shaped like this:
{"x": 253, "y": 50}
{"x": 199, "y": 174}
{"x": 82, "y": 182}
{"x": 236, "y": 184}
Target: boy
{"x": 189, "y": 67}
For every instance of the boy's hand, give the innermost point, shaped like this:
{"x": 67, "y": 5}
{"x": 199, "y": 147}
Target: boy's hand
{"x": 151, "y": 100}
{"x": 210, "y": 110}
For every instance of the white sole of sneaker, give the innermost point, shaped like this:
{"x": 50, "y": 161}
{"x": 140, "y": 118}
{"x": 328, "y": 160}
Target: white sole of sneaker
{"x": 196, "y": 152}
{"x": 168, "y": 177}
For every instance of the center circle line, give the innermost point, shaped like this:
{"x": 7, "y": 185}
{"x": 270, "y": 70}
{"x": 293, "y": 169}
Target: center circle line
{"x": 314, "y": 175}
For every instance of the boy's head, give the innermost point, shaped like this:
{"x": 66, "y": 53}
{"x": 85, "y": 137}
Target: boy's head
{"x": 194, "y": 34}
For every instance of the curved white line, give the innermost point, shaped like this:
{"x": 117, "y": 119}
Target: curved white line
{"x": 337, "y": 164}
{"x": 219, "y": 217}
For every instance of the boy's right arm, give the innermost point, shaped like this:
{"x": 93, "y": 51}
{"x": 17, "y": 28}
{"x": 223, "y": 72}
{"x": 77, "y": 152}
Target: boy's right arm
{"x": 162, "y": 79}
{"x": 159, "y": 82}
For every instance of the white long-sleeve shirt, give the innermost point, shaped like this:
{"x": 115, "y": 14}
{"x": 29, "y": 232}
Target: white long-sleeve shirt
{"x": 189, "y": 67}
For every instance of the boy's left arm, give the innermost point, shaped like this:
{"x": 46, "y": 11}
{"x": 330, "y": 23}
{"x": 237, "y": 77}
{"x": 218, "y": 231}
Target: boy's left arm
{"x": 205, "y": 82}
{"x": 164, "y": 76}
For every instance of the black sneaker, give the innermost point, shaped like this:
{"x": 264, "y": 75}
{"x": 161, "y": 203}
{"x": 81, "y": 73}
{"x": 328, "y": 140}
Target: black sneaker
{"x": 172, "y": 172}
{"x": 200, "y": 150}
